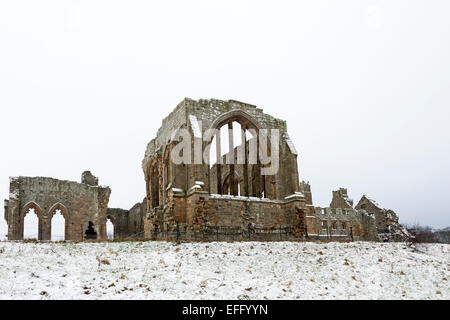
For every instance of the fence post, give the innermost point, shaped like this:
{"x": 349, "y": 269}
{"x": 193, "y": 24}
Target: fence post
{"x": 351, "y": 233}
{"x": 306, "y": 231}
{"x": 249, "y": 235}
{"x": 280, "y": 233}
{"x": 178, "y": 231}
{"x": 217, "y": 233}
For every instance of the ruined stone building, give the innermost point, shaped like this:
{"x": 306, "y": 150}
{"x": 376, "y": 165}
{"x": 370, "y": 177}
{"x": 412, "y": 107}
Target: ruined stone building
{"x": 238, "y": 175}
{"x": 128, "y": 223}
{"x": 84, "y": 207}
{"x": 387, "y": 224}
{"x": 203, "y": 197}
{"x": 340, "y": 219}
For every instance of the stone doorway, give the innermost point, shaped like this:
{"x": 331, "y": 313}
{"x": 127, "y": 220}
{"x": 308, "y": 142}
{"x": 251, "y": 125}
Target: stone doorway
{"x": 90, "y": 233}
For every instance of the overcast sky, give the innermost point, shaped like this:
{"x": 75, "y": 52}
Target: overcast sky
{"x": 364, "y": 86}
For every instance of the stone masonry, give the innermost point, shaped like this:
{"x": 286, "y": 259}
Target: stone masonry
{"x": 198, "y": 197}
{"x": 214, "y": 191}
{"x": 201, "y": 197}
{"x": 79, "y": 203}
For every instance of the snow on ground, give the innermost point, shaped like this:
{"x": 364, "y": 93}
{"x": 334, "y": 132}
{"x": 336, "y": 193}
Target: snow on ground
{"x": 241, "y": 270}
{"x": 3, "y": 229}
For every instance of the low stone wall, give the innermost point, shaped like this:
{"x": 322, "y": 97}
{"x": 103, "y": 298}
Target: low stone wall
{"x": 208, "y": 216}
{"x": 128, "y": 223}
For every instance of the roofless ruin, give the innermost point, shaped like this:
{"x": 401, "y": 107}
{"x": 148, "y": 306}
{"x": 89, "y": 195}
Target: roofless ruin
{"x": 216, "y": 170}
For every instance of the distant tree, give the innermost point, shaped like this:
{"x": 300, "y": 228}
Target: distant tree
{"x": 425, "y": 234}
{"x": 443, "y": 235}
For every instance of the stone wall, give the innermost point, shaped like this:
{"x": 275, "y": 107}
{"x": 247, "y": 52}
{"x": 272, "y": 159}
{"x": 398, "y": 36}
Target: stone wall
{"x": 367, "y": 221}
{"x": 342, "y": 220}
{"x": 345, "y": 222}
{"x": 387, "y": 222}
{"x": 128, "y": 223}
{"x": 199, "y": 213}
{"x": 341, "y": 199}
{"x": 79, "y": 203}
{"x": 119, "y": 219}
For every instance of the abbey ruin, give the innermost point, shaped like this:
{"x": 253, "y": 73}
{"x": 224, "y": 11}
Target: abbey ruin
{"x": 217, "y": 170}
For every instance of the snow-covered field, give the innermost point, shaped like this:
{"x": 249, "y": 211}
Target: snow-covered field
{"x": 248, "y": 270}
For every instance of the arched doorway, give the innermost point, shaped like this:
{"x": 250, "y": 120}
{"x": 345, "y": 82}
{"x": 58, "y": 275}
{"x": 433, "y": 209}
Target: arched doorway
{"x": 31, "y": 225}
{"x": 58, "y": 228}
{"x": 109, "y": 229}
{"x": 59, "y": 221}
{"x": 226, "y": 189}
{"x": 30, "y": 219}
{"x": 90, "y": 233}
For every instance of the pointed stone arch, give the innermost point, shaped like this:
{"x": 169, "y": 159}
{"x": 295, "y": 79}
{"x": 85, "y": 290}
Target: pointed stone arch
{"x": 31, "y": 205}
{"x": 236, "y": 115}
{"x": 114, "y": 225}
{"x": 227, "y": 185}
{"x": 65, "y": 213}
{"x": 25, "y": 210}
{"x": 58, "y": 206}
{"x": 112, "y": 218}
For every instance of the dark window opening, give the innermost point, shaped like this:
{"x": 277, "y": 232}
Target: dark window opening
{"x": 90, "y": 232}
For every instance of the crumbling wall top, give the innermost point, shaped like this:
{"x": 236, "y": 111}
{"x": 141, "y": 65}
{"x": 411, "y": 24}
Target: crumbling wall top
{"x": 88, "y": 178}
{"x": 341, "y": 199}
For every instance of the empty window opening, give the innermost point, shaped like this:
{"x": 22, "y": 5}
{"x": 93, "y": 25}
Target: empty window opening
{"x": 31, "y": 225}
{"x": 226, "y": 189}
{"x": 110, "y": 229}
{"x": 248, "y": 135}
{"x": 58, "y": 227}
{"x": 224, "y": 138}
{"x": 237, "y": 134}
{"x": 90, "y": 232}
{"x": 324, "y": 227}
{"x": 233, "y": 147}
{"x": 224, "y": 133}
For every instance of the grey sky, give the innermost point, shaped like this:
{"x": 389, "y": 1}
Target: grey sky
{"x": 364, "y": 86}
